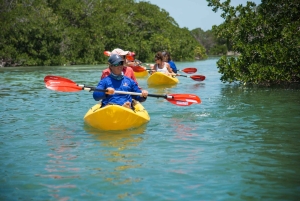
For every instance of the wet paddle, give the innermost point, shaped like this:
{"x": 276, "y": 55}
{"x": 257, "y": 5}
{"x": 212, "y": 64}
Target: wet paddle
{"x": 55, "y": 78}
{"x": 62, "y": 84}
{"x": 194, "y": 77}
{"x": 189, "y": 70}
{"x": 107, "y": 53}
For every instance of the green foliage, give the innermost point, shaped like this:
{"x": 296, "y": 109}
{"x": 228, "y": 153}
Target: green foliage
{"x": 267, "y": 37}
{"x": 213, "y": 44}
{"x": 57, "y": 32}
{"x": 218, "y": 50}
{"x": 200, "y": 52}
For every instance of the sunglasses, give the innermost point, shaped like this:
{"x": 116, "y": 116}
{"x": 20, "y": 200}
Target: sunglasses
{"x": 118, "y": 64}
{"x": 156, "y": 59}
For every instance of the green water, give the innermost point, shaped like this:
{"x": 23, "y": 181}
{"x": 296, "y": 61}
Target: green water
{"x": 241, "y": 143}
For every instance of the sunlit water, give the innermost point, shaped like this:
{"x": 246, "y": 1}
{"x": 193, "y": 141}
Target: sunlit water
{"x": 241, "y": 143}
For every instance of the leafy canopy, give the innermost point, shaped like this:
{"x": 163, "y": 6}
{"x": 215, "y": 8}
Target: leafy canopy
{"x": 267, "y": 37}
{"x": 56, "y": 32}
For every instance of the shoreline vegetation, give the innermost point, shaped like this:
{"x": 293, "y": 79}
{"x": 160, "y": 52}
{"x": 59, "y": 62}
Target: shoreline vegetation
{"x": 51, "y": 33}
{"x": 4, "y": 64}
{"x": 258, "y": 44}
{"x": 267, "y": 38}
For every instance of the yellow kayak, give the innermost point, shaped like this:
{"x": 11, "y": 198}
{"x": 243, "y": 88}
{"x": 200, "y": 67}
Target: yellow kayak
{"x": 159, "y": 78}
{"x": 116, "y": 117}
{"x": 141, "y": 74}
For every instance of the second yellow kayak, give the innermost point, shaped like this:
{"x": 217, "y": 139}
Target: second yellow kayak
{"x": 159, "y": 78}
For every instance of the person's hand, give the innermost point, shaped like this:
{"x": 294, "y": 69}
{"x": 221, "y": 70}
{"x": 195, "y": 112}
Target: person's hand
{"x": 144, "y": 93}
{"x": 127, "y": 104}
{"x": 110, "y": 91}
{"x": 138, "y": 62}
{"x": 130, "y": 64}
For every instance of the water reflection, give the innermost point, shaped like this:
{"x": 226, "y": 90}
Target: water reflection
{"x": 121, "y": 150}
{"x": 184, "y": 133}
{"x": 60, "y": 167}
{"x": 161, "y": 87}
{"x": 181, "y": 126}
{"x": 160, "y": 90}
{"x": 114, "y": 138}
{"x": 268, "y": 119}
{"x": 197, "y": 86}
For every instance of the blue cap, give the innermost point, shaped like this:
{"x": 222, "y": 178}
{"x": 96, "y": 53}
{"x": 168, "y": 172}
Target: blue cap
{"x": 115, "y": 59}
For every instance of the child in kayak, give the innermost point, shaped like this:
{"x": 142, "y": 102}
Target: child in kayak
{"x": 160, "y": 65}
{"x": 118, "y": 81}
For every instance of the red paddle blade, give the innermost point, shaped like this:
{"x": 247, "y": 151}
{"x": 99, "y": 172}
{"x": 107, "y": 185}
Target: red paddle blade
{"x": 57, "y": 78}
{"x": 62, "y": 86}
{"x": 189, "y": 70}
{"x": 107, "y": 53}
{"x": 184, "y": 99}
{"x": 138, "y": 68}
{"x": 198, "y": 77}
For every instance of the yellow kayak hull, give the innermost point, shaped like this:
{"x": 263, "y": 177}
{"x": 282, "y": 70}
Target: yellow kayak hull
{"x": 116, "y": 117}
{"x": 141, "y": 74}
{"x": 159, "y": 78}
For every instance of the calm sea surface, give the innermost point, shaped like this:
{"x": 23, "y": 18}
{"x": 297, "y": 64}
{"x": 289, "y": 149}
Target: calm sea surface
{"x": 241, "y": 143}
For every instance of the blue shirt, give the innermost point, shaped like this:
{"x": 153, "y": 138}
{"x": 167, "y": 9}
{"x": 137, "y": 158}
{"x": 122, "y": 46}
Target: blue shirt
{"x": 173, "y": 66}
{"x": 125, "y": 84}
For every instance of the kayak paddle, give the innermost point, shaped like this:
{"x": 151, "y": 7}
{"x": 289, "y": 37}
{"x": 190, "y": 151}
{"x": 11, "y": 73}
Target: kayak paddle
{"x": 55, "y": 78}
{"x": 62, "y": 84}
{"x": 185, "y": 70}
{"x": 194, "y": 77}
{"x": 107, "y": 53}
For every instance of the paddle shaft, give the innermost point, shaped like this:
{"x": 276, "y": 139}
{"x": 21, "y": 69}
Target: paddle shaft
{"x": 182, "y": 75}
{"x": 66, "y": 85}
{"x": 189, "y": 70}
{"x": 88, "y": 88}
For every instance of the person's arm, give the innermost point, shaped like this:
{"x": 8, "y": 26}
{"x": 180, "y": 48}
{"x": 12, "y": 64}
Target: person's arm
{"x": 98, "y": 95}
{"x": 135, "y": 88}
{"x": 131, "y": 63}
{"x": 169, "y": 69}
{"x": 173, "y": 66}
{"x": 152, "y": 67}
